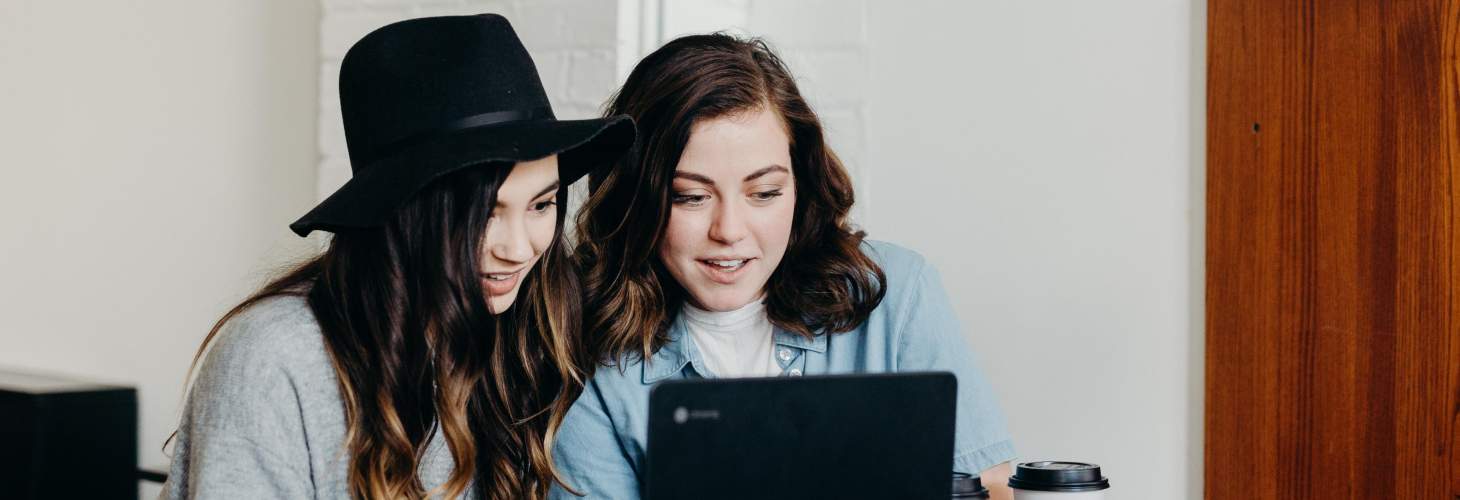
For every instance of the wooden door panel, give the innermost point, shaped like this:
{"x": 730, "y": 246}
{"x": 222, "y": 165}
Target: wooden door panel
{"x": 1333, "y": 355}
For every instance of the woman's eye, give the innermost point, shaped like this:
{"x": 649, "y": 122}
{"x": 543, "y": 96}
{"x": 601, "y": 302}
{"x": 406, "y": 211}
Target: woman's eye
{"x": 766, "y": 195}
{"x": 543, "y": 206}
{"x": 692, "y": 200}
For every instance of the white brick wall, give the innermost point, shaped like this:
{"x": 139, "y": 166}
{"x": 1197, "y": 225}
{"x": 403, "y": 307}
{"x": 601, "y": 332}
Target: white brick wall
{"x": 573, "y": 42}
{"x": 685, "y": 17}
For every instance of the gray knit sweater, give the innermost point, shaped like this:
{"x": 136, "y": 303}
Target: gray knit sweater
{"x": 264, "y": 418}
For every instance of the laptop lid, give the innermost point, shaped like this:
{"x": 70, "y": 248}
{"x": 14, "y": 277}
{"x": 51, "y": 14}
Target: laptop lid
{"x": 836, "y": 436}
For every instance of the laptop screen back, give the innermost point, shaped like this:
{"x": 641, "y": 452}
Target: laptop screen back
{"x": 839, "y": 436}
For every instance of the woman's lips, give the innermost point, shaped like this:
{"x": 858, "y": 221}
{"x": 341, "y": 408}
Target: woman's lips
{"x": 724, "y": 271}
{"x": 500, "y": 283}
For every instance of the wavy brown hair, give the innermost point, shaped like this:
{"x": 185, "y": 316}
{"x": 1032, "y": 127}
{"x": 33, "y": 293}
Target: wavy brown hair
{"x": 416, "y": 349}
{"x": 824, "y": 284}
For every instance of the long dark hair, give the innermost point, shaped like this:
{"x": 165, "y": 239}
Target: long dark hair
{"x": 407, "y": 323}
{"x": 824, "y": 284}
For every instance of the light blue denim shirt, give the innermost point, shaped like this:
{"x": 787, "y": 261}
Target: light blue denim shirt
{"x": 601, "y": 445}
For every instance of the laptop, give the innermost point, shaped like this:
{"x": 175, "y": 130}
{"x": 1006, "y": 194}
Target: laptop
{"x": 836, "y": 436}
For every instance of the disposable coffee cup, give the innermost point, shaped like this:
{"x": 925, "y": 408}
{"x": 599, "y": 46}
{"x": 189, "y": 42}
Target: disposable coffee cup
{"x": 1058, "y": 481}
{"x": 968, "y": 486}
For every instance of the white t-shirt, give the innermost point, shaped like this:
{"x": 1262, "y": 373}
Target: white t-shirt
{"x": 734, "y": 343}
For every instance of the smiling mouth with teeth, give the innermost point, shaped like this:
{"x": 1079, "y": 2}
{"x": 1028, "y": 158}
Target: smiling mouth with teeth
{"x": 727, "y": 265}
{"x": 500, "y": 277}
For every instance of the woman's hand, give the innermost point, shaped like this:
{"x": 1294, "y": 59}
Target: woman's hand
{"x": 996, "y": 479}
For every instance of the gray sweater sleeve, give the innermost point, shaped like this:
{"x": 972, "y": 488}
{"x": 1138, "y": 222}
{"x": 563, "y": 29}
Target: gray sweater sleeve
{"x": 242, "y": 433}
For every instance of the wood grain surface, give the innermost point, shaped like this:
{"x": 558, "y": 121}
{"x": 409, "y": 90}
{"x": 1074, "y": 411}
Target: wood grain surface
{"x": 1333, "y": 313}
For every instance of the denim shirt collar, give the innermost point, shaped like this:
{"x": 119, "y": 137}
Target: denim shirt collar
{"x": 679, "y": 351}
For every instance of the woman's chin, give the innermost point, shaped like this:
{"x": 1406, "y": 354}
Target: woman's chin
{"x": 725, "y": 301}
{"x": 501, "y": 303}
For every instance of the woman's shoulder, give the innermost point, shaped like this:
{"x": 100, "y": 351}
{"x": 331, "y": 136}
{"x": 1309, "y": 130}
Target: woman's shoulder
{"x": 624, "y": 374}
{"x": 893, "y": 258}
{"x": 904, "y": 268}
{"x": 275, "y": 339}
{"x": 265, "y": 378}
{"x": 276, "y": 328}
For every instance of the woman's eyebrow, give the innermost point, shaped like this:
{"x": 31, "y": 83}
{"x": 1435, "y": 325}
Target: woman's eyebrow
{"x": 759, "y": 173}
{"x": 693, "y": 177}
{"x": 551, "y": 187}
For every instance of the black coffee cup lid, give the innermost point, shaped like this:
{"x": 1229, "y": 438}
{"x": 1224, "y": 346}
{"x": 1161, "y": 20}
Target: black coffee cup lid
{"x": 968, "y": 486}
{"x": 1058, "y": 476}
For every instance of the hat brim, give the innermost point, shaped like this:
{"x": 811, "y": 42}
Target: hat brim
{"x": 378, "y": 189}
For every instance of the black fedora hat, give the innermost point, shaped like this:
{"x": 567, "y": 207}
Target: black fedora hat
{"x": 425, "y": 97}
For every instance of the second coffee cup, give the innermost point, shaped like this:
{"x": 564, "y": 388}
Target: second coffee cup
{"x": 1058, "y": 481}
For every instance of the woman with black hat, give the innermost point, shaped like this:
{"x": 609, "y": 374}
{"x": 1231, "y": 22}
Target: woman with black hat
{"x": 433, "y": 349}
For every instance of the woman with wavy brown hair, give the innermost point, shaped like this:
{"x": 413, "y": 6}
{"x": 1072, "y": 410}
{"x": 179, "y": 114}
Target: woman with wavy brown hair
{"x": 432, "y": 350}
{"x": 722, "y": 248}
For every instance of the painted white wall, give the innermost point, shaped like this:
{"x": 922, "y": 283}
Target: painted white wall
{"x": 153, "y": 153}
{"x": 1042, "y": 154}
{"x": 1047, "y": 158}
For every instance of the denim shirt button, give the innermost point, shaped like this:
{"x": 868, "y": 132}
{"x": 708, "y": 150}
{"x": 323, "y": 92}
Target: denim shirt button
{"x": 795, "y": 372}
{"x": 783, "y": 354}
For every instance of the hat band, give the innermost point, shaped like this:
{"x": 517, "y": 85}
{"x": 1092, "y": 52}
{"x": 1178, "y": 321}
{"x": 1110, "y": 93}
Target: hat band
{"x": 473, "y": 121}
